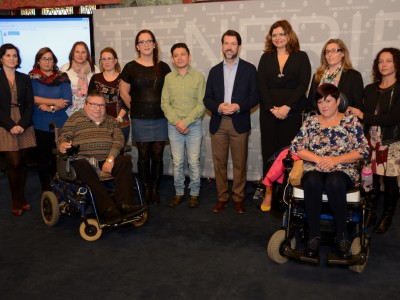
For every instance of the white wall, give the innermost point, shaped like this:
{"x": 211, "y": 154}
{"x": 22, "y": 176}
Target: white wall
{"x": 365, "y": 27}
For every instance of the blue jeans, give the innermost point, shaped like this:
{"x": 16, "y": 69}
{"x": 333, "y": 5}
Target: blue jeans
{"x": 192, "y": 142}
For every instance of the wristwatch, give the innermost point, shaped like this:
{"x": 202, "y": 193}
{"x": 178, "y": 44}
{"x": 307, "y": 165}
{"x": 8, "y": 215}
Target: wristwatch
{"x": 53, "y": 109}
{"x": 109, "y": 160}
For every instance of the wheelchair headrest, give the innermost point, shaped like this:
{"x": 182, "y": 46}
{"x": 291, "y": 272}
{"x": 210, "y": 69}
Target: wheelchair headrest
{"x": 344, "y": 103}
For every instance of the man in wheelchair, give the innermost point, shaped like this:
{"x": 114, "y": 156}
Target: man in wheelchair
{"x": 330, "y": 144}
{"x": 100, "y": 139}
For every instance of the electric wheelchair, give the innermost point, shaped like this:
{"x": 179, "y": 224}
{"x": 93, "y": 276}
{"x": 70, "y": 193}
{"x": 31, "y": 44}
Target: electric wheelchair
{"x": 283, "y": 244}
{"x": 70, "y": 196}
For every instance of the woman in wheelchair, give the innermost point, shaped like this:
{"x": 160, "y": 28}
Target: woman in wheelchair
{"x": 330, "y": 144}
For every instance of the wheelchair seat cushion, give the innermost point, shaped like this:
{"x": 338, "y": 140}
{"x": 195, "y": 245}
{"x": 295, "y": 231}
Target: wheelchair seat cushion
{"x": 353, "y": 195}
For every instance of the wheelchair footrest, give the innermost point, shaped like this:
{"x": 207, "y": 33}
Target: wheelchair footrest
{"x": 334, "y": 259}
{"x": 289, "y": 252}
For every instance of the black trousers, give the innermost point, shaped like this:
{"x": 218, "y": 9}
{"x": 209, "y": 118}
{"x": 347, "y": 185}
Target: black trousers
{"x": 123, "y": 182}
{"x": 335, "y": 185}
{"x": 46, "y": 161}
{"x": 276, "y": 134}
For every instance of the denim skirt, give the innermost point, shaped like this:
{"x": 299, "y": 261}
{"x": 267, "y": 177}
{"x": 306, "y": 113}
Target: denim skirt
{"x": 149, "y": 130}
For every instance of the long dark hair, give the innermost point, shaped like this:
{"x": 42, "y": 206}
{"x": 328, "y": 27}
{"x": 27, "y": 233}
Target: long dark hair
{"x": 376, "y": 75}
{"x": 88, "y": 58}
{"x": 156, "y": 57}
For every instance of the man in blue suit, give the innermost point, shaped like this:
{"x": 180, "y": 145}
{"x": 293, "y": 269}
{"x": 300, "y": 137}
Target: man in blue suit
{"x": 231, "y": 92}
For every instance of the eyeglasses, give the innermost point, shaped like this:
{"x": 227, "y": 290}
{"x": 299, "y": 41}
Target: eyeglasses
{"x": 275, "y": 35}
{"x": 107, "y": 59}
{"x": 147, "y": 42}
{"x": 96, "y": 105}
{"x": 49, "y": 59}
{"x": 333, "y": 51}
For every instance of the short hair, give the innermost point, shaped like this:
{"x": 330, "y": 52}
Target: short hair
{"x": 346, "y": 62}
{"x": 292, "y": 45}
{"x": 232, "y": 33}
{"x": 325, "y": 90}
{"x": 95, "y": 93}
{"x": 179, "y": 45}
{"x": 114, "y": 54}
{"x": 3, "y": 50}
{"x": 376, "y": 75}
{"x": 40, "y": 53}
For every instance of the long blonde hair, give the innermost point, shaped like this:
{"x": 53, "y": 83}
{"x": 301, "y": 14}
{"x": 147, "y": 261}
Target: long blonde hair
{"x": 346, "y": 62}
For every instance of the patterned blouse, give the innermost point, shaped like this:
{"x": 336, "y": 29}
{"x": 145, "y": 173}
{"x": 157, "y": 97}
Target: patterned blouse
{"x": 337, "y": 140}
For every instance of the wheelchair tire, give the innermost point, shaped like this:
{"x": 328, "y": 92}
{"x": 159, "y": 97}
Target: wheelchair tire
{"x": 49, "y": 208}
{"x": 142, "y": 220}
{"x": 274, "y": 245}
{"x": 92, "y": 232}
{"x": 356, "y": 249}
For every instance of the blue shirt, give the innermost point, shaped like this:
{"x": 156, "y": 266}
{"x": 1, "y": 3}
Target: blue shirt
{"x": 229, "y": 80}
{"x": 42, "y": 119}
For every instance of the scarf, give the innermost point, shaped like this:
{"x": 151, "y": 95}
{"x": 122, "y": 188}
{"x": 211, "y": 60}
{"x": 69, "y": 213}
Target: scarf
{"x": 332, "y": 78}
{"x": 54, "y": 79}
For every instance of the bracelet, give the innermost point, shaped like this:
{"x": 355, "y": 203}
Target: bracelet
{"x": 119, "y": 119}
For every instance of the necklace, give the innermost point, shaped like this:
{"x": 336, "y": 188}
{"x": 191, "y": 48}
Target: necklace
{"x": 331, "y": 78}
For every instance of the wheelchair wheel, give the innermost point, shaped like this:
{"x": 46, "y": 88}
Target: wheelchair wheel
{"x": 143, "y": 220}
{"x": 356, "y": 249}
{"x": 49, "y": 208}
{"x": 92, "y": 232}
{"x": 274, "y": 245}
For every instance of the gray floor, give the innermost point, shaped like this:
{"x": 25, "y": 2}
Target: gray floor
{"x": 180, "y": 253}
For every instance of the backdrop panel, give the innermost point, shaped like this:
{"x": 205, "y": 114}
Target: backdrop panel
{"x": 365, "y": 27}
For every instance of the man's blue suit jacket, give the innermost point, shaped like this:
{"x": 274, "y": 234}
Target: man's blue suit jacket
{"x": 245, "y": 93}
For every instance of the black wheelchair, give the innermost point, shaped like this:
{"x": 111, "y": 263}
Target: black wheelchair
{"x": 70, "y": 196}
{"x": 283, "y": 244}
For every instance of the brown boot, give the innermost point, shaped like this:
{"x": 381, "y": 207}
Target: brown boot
{"x": 176, "y": 201}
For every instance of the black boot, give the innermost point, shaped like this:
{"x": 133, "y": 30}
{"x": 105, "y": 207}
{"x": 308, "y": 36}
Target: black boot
{"x": 145, "y": 178}
{"x": 389, "y": 206}
{"x": 157, "y": 168}
{"x": 371, "y": 202}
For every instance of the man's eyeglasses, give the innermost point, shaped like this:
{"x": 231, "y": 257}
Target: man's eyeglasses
{"x": 333, "y": 51}
{"x": 49, "y": 59}
{"x": 147, "y": 42}
{"x": 107, "y": 59}
{"x": 96, "y": 105}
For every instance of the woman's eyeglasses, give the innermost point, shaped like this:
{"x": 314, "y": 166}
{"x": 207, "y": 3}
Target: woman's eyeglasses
{"x": 49, "y": 59}
{"x": 147, "y": 42}
{"x": 333, "y": 51}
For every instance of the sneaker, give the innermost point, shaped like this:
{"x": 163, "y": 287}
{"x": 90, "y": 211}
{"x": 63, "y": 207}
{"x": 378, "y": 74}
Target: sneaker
{"x": 312, "y": 249}
{"x": 343, "y": 248}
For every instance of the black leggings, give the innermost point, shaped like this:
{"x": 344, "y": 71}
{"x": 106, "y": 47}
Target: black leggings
{"x": 335, "y": 185}
{"x": 16, "y": 171}
{"x": 150, "y": 150}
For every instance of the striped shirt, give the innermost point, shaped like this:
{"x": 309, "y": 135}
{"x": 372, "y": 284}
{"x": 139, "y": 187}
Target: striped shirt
{"x": 98, "y": 141}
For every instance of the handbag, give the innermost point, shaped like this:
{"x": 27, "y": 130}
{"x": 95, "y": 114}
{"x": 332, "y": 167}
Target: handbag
{"x": 296, "y": 173}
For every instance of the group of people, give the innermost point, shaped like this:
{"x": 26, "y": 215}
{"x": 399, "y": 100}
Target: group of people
{"x": 158, "y": 105}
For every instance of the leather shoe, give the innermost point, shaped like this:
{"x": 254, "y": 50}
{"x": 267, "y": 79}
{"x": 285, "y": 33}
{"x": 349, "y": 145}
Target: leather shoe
{"x": 112, "y": 215}
{"x": 26, "y": 207}
{"x": 219, "y": 206}
{"x": 312, "y": 249}
{"x": 343, "y": 248}
{"x": 129, "y": 210}
{"x": 176, "y": 201}
{"x": 17, "y": 212}
{"x": 194, "y": 201}
{"x": 239, "y": 207}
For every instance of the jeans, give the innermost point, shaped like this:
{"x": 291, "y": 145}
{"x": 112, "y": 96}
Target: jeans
{"x": 192, "y": 142}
